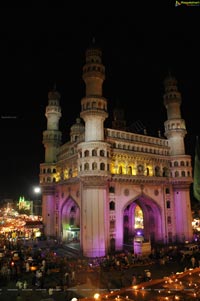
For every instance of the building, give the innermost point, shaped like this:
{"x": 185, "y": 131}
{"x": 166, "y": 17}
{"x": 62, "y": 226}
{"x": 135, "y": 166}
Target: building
{"x": 107, "y": 186}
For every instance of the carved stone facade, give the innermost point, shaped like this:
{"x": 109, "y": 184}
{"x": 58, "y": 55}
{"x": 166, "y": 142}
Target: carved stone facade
{"x": 107, "y": 185}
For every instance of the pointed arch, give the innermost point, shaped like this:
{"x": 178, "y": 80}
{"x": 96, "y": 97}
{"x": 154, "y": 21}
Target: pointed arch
{"x": 151, "y": 225}
{"x": 70, "y": 220}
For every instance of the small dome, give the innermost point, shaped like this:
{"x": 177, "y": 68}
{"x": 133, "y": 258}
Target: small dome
{"x": 78, "y": 127}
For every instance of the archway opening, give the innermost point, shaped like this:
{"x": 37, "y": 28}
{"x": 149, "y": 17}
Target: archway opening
{"x": 141, "y": 218}
{"x": 70, "y": 222}
{"x": 138, "y": 219}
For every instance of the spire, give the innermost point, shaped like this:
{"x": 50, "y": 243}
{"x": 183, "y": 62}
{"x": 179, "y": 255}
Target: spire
{"x": 53, "y": 93}
{"x": 52, "y": 136}
{"x": 169, "y": 78}
{"x": 94, "y": 105}
{"x": 93, "y": 43}
{"x": 175, "y": 129}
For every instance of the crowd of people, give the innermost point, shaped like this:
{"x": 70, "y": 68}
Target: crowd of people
{"x": 50, "y": 270}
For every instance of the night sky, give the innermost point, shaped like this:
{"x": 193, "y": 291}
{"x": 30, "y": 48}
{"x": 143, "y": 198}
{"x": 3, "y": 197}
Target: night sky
{"x": 138, "y": 52}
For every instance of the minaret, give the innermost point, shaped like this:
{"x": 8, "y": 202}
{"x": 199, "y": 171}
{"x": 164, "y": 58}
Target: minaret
{"x": 52, "y": 136}
{"x": 94, "y": 158}
{"x": 175, "y": 129}
{"x": 94, "y": 105}
{"x": 180, "y": 163}
{"x": 51, "y": 141}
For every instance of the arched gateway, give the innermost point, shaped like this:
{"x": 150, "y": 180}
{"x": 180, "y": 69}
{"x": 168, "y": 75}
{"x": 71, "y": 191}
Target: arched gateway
{"x": 142, "y": 217}
{"x": 70, "y": 221}
{"x": 76, "y": 175}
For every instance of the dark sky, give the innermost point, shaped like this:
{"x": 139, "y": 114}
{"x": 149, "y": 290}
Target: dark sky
{"x": 138, "y": 52}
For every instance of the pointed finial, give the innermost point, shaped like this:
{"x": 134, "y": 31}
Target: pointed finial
{"x": 170, "y": 72}
{"x": 54, "y": 87}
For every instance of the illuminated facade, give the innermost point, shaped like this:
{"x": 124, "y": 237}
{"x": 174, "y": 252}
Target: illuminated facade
{"x": 25, "y": 205}
{"x": 106, "y": 184}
